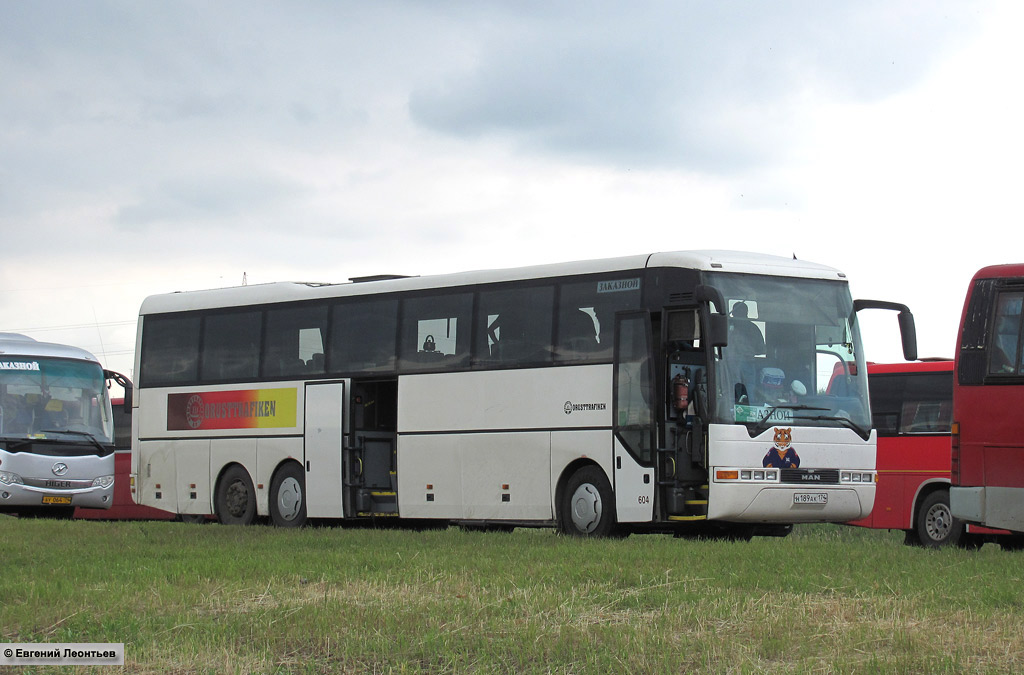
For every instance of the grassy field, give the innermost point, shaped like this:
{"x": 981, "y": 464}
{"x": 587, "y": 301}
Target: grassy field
{"x": 208, "y": 598}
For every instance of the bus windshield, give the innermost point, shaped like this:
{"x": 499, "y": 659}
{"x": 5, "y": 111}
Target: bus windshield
{"x": 52, "y": 398}
{"x": 793, "y": 356}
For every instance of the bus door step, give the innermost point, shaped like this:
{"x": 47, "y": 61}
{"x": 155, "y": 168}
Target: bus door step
{"x": 377, "y": 502}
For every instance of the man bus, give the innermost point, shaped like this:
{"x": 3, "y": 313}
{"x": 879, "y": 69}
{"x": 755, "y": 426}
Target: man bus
{"x": 988, "y": 396}
{"x": 56, "y": 428}
{"x": 593, "y": 396}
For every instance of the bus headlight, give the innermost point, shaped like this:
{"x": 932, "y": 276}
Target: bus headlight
{"x": 103, "y": 482}
{"x": 10, "y": 478}
{"x": 858, "y": 477}
{"x": 747, "y": 475}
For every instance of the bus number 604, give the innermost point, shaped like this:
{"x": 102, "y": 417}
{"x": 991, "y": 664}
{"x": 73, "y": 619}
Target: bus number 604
{"x": 643, "y": 499}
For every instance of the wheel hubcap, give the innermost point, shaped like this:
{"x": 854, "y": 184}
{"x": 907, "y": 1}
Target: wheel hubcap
{"x": 939, "y": 522}
{"x": 237, "y": 499}
{"x": 586, "y": 508}
{"x": 289, "y": 499}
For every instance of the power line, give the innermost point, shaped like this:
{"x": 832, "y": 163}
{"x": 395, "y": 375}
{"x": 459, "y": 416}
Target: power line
{"x": 71, "y": 326}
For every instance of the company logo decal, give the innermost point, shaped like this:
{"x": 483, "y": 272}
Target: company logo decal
{"x": 245, "y": 409}
{"x": 782, "y": 455}
{"x": 618, "y": 286}
{"x": 19, "y": 365}
{"x": 571, "y": 407}
{"x": 59, "y": 469}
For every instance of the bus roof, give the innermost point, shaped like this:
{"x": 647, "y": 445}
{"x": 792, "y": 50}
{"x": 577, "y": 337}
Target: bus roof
{"x": 711, "y": 261}
{"x": 929, "y": 366}
{"x": 14, "y": 344}
{"x": 999, "y": 271}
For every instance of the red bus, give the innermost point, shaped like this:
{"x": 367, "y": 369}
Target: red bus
{"x": 123, "y": 508}
{"x": 911, "y": 411}
{"x": 988, "y": 401}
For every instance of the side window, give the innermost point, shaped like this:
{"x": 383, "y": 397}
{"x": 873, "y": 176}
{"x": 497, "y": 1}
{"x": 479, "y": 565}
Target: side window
{"x": 911, "y": 403}
{"x": 927, "y": 404}
{"x": 170, "y": 350}
{"x": 514, "y": 326}
{"x": 586, "y": 316}
{"x": 363, "y": 336}
{"x": 294, "y": 343}
{"x": 886, "y": 402}
{"x": 1005, "y": 353}
{"x": 435, "y": 332}
{"x": 231, "y": 346}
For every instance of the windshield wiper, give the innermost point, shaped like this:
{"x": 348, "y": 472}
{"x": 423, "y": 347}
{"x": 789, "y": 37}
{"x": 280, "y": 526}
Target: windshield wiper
{"x": 761, "y": 425}
{"x": 845, "y": 421}
{"x": 15, "y": 443}
{"x": 103, "y": 449}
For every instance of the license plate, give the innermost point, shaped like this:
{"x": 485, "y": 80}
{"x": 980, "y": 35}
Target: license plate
{"x": 56, "y": 500}
{"x": 810, "y": 498}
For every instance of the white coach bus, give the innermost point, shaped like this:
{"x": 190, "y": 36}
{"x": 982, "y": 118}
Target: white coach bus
{"x": 56, "y": 428}
{"x": 668, "y": 392}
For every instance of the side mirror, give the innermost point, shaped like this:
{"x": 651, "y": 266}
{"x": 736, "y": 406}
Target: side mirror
{"x": 704, "y": 293}
{"x": 718, "y": 322}
{"x": 718, "y": 330}
{"x": 908, "y": 329}
{"x": 125, "y": 383}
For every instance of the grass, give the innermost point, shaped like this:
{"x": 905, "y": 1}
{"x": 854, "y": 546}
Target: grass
{"x": 208, "y": 598}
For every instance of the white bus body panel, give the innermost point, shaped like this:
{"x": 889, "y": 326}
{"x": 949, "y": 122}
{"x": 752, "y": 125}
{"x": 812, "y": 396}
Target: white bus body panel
{"x": 175, "y": 460}
{"x": 765, "y": 502}
{"x": 992, "y": 506}
{"x": 324, "y": 424}
{"x": 470, "y": 434}
{"x": 634, "y": 488}
{"x": 192, "y": 461}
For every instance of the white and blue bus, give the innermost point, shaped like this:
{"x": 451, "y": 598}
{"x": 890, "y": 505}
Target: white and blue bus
{"x": 683, "y": 392}
{"x": 56, "y": 428}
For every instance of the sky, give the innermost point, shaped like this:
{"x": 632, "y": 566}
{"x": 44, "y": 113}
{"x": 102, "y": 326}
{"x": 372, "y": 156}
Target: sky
{"x": 155, "y": 147}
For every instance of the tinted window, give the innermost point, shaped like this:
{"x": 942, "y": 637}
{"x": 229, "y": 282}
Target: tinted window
{"x": 514, "y": 326}
{"x": 122, "y": 426}
{"x": 170, "y": 350}
{"x": 1005, "y": 354}
{"x": 231, "y": 346}
{"x": 435, "y": 331}
{"x": 633, "y": 397}
{"x": 294, "y": 343}
{"x": 911, "y": 403}
{"x": 363, "y": 336}
{"x": 586, "y": 316}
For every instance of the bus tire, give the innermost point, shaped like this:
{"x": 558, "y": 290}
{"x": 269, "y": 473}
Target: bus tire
{"x": 1011, "y": 542}
{"x": 587, "y": 507}
{"x": 935, "y": 524}
{"x": 235, "y": 502}
{"x": 288, "y": 496}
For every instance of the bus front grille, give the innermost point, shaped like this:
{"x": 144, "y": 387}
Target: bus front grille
{"x": 810, "y": 476}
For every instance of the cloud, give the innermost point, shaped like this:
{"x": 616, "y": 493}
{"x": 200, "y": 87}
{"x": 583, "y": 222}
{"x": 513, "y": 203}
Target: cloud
{"x": 700, "y": 86}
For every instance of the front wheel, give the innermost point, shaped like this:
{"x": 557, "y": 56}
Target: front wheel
{"x": 587, "y": 507}
{"x": 287, "y": 497}
{"x": 236, "y": 498}
{"x": 935, "y": 525}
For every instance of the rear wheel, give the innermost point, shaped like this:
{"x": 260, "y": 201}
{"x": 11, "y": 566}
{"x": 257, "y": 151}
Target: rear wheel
{"x": 587, "y": 507}
{"x": 1011, "y": 542}
{"x": 287, "y": 497}
{"x": 236, "y": 498}
{"x": 935, "y": 525}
